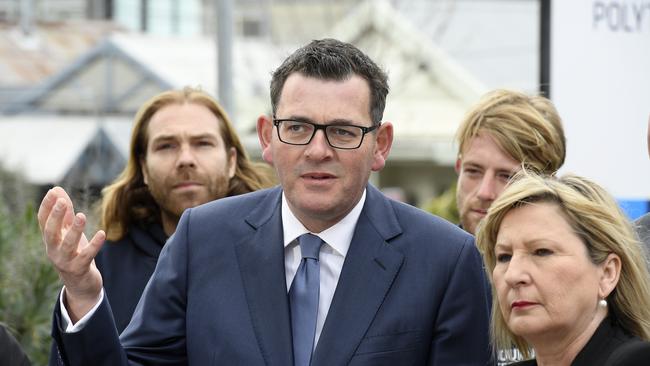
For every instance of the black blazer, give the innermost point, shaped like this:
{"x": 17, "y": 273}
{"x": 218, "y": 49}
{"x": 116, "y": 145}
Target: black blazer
{"x": 609, "y": 346}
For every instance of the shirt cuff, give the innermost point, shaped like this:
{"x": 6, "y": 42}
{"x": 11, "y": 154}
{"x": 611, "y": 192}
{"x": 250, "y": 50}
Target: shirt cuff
{"x": 78, "y": 326}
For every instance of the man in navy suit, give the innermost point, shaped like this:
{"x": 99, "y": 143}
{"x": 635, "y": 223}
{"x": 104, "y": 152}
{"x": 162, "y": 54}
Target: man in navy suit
{"x": 240, "y": 283}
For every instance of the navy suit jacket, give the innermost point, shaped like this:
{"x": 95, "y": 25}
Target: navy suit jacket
{"x": 411, "y": 292}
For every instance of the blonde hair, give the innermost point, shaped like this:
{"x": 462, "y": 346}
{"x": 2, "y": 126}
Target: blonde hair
{"x": 528, "y": 128}
{"x": 127, "y": 200}
{"x": 603, "y": 228}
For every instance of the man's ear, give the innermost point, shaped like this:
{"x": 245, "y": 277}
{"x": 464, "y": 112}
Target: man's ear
{"x": 382, "y": 146}
{"x": 143, "y": 169}
{"x": 232, "y": 162}
{"x": 265, "y": 135}
{"x": 611, "y": 270}
{"x": 457, "y": 166}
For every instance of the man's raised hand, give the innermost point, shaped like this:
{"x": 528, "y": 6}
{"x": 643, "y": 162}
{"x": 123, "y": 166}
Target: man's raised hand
{"x": 70, "y": 251}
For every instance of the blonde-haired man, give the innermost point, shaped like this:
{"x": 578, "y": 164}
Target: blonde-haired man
{"x": 504, "y": 131}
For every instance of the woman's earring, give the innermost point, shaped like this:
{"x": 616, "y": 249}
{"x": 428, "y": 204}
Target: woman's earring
{"x": 602, "y": 303}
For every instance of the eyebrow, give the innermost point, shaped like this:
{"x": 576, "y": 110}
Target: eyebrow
{"x": 470, "y": 163}
{"x": 527, "y": 243}
{"x": 336, "y": 121}
{"x": 501, "y": 246}
{"x": 192, "y": 137}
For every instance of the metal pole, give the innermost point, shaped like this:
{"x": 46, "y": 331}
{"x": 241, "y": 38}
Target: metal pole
{"x": 26, "y": 17}
{"x": 224, "y": 55}
{"x": 175, "y": 17}
{"x": 144, "y": 16}
{"x": 545, "y": 48}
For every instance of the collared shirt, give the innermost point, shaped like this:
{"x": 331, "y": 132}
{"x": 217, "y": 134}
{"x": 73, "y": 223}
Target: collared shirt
{"x": 332, "y": 254}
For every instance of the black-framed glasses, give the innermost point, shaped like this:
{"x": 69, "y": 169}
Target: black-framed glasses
{"x": 340, "y": 136}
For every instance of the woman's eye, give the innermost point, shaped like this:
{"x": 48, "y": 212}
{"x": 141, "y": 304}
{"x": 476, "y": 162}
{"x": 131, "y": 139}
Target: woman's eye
{"x": 502, "y": 258}
{"x": 543, "y": 252}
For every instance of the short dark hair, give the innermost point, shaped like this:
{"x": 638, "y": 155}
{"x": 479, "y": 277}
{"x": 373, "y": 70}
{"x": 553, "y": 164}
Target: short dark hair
{"x": 330, "y": 59}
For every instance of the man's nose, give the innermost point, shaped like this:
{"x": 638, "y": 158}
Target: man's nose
{"x": 186, "y": 156}
{"x": 487, "y": 190}
{"x": 318, "y": 147}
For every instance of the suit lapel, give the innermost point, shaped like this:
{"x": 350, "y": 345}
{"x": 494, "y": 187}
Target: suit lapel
{"x": 261, "y": 261}
{"x": 367, "y": 275}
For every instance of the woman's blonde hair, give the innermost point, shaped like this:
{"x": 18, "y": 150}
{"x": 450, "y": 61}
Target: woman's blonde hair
{"x": 603, "y": 228}
{"x": 528, "y": 128}
{"x": 127, "y": 200}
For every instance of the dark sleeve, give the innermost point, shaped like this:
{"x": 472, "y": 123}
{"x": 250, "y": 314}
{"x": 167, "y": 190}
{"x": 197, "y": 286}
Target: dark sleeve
{"x": 462, "y": 326}
{"x": 96, "y": 344}
{"x": 11, "y": 354}
{"x": 633, "y": 353}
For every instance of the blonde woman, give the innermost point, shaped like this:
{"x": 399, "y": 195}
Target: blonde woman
{"x": 568, "y": 275}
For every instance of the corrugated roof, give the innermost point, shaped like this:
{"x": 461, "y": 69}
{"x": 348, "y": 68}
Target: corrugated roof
{"x": 27, "y": 61}
{"x": 30, "y": 60}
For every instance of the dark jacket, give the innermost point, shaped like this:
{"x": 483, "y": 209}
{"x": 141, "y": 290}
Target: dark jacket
{"x": 126, "y": 266}
{"x": 609, "y": 346}
{"x": 11, "y": 354}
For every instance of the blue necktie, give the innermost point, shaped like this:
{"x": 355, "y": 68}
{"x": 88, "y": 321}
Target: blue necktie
{"x": 303, "y": 299}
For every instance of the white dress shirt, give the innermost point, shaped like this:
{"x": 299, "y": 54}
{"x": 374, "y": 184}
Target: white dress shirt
{"x": 332, "y": 255}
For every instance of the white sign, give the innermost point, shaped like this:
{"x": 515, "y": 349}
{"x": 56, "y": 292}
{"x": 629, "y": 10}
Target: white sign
{"x": 600, "y": 83}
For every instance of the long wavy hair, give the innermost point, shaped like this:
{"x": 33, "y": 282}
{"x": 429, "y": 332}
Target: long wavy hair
{"x": 127, "y": 200}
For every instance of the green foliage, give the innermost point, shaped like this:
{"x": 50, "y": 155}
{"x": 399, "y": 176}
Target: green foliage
{"x": 28, "y": 282}
{"x": 445, "y": 205}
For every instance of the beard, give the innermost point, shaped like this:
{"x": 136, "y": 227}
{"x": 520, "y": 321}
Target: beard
{"x": 172, "y": 203}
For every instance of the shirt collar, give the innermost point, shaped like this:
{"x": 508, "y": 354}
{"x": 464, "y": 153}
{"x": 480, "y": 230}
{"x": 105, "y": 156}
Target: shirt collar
{"x": 338, "y": 236}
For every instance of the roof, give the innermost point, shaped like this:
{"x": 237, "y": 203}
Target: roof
{"x": 44, "y": 148}
{"x": 28, "y": 60}
{"x": 124, "y": 70}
